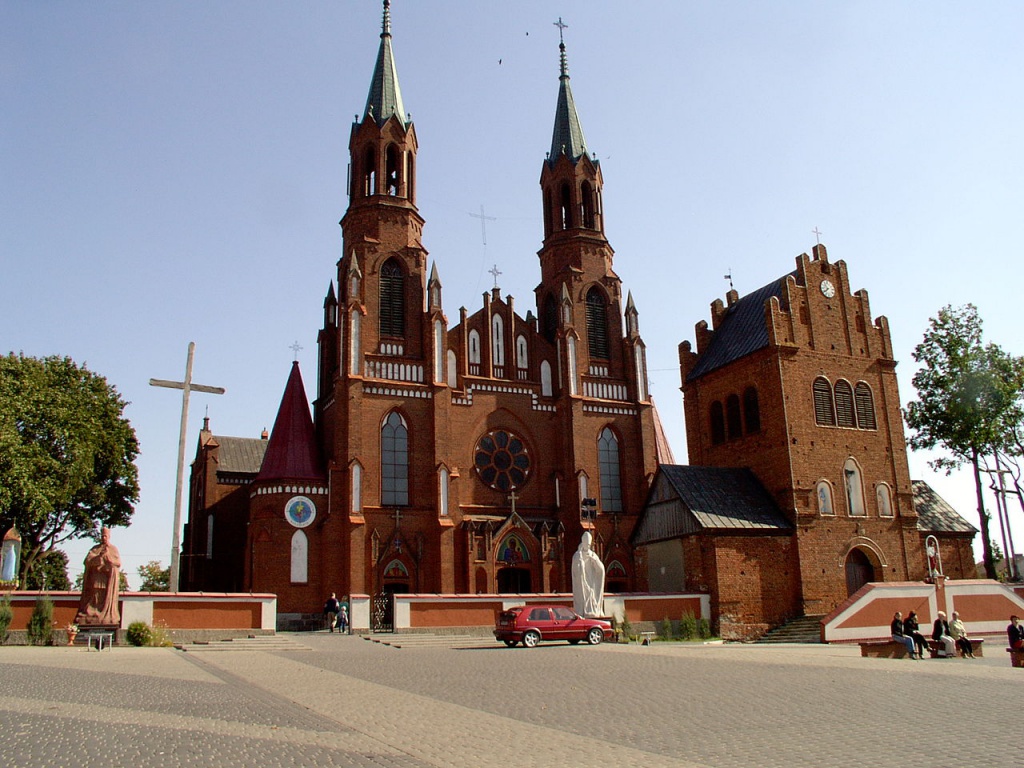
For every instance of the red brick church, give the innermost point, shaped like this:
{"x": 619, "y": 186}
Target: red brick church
{"x": 469, "y": 454}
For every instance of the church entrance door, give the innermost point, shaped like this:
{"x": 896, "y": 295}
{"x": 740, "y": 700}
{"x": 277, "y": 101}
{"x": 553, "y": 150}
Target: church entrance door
{"x": 514, "y": 580}
{"x": 859, "y": 570}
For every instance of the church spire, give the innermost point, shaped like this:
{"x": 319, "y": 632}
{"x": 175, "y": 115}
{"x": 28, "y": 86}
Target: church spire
{"x": 385, "y": 97}
{"x": 567, "y": 137}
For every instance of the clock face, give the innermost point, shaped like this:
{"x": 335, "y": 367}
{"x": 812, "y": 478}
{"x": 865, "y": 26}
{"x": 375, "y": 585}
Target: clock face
{"x": 300, "y": 511}
{"x": 828, "y": 289}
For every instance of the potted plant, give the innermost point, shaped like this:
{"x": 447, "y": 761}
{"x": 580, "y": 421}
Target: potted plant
{"x": 72, "y": 630}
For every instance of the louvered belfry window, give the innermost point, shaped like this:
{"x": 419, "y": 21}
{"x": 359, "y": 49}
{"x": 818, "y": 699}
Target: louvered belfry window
{"x": 824, "y": 413}
{"x": 844, "y": 404}
{"x": 392, "y": 300}
{"x": 865, "y": 407}
{"x": 597, "y": 324}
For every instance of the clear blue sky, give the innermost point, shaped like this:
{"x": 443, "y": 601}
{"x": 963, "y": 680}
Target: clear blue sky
{"x": 174, "y": 172}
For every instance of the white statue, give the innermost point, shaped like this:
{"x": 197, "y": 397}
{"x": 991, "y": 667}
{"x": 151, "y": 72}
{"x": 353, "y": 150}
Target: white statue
{"x": 587, "y": 580}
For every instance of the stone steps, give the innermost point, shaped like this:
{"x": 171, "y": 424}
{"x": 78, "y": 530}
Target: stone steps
{"x": 261, "y": 643}
{"x": 432, "y": 641}
{"x": 805, "y": 629}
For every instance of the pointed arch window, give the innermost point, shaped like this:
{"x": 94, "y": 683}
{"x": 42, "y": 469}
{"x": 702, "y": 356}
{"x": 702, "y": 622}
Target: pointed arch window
{"x": 392, "y": 299}
{"x": 394, "y": 461}
{"x": 565, "y": 207}
{"x": 497, "y": 340}
{"x": 824, "y": 410}
{"x": 597, "y": 324}
{"x": 845, "y": 416}
{"x": 824, "y": 493}
{"x": 370, "y": 172}
{"x": 587, "y": 193}
{"x": 733, "y": 420}
{"x": 393, "y": 176}
{"x": 300, "y": 558}
{"x": 474, "y": 349}
{"x": 717, "y": 423}
{"x": 751, "y": 410}
{"x": 608, "y": 466}
{"x": 522, "y": 360}
{"x": 884, "y": 497}
{"x": 865, "y": 402}
{"x": 854, "y": 488}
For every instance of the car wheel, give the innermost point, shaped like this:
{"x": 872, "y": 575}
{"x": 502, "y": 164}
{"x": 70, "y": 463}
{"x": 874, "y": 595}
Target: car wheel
{"x": 595, "y": 636}
{"x": 531, "y": 638}
{"x": 510, "y": 643}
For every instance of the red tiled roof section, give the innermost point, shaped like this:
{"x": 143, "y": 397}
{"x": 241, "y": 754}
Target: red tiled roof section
{"x": 292, "y": 452}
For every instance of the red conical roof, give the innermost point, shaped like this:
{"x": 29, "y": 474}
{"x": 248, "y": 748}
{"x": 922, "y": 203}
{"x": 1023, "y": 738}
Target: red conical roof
{"x": 292, "y": 453}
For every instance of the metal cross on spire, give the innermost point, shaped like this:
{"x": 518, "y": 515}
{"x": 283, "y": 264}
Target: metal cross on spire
{"x": 186, "y": 387}
{"x": 561, "y": 27}
{"x": 817, "y": 235}
{"x": 296, "y": 348}
{"x": 494, "y": 272}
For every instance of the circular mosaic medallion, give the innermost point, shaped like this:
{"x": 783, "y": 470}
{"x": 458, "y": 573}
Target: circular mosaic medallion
{"x": 502, "y": 461}
{"x": 300, "y": 511}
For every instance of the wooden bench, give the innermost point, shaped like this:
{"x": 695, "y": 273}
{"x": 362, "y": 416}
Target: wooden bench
{"x": 1016, "y": 656}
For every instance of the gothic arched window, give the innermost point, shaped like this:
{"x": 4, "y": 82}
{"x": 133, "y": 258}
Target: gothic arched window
{"x": 392, "y": 299}
{"x": 717, "y": 423}
{"x": 370, "y": 172}
{"x": 865, "y": 406}
{"x": 565, "y": 208}
{"x": 597, "y": 324}
{"x": 587, "y": 193}
{"x": 394, "y": 461}
{"x": 733, "y": 422}
{"x": 393, "y": 177}
{"x": 845, "y": 416}
{"x": 608, "y": 467}
{"x": 751, "y": 411}
{"x": 824, "y": 410}
{"x": 854, "y": 488}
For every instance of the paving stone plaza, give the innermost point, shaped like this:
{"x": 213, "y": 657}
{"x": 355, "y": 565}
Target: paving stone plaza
{"x": 345, "y": 701}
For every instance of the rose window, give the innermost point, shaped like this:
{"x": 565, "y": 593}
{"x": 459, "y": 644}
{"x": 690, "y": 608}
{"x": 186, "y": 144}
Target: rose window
{"x": 501, "y": 460}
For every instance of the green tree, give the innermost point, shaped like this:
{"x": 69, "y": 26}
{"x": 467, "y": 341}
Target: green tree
{"x": 50, "y": 572}
{"x": 154, "y": 578}
{"x": 67, "y": 454}
{"x": 969, "y": 400}
{"x": 122, "y": 582}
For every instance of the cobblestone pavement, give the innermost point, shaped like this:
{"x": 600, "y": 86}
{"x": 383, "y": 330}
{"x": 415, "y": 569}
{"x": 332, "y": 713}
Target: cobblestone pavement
{"x": 350, "y": 702}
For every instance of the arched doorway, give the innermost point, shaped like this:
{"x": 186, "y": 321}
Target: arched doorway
{"x": 859, "y": 570}
{"x": 514, "y": 581}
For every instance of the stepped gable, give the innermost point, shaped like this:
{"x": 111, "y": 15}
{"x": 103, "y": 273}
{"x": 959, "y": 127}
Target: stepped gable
{"x": 934, "y": 514}
{"x": 292, "y": 452}
{"x": 742, "y": 330}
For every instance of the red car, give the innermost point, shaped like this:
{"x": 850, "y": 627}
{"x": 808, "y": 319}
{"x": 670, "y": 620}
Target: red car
{"x": 532, "y": 623}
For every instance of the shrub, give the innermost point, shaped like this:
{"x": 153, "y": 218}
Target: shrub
{"x": 665, "y": 629}
{"x": 688, "y": 626}
{"x": 6, "y": 617}
{"x": 703, "y": 628}
{"x": 627, "y": 628}
{"x": 139, "y": 633}
{"x": 160, "y": 636}
{"x": 40, "y": 623}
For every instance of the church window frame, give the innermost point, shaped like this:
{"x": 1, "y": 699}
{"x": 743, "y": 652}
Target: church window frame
{"x": 394, "y": 460}
{"x": 549, "y": 318}
{"x": 824, "y": 406}
{"x": 565, "y": 207}
{"x": 356, "y": 480}
{"x": 439, "y": 356}
{"x": 474, "y": 347}
{"x": 751, "y": 411}
{"x": 502, "y": 460}
{"x": 392, "y": 299}
{"x": 497, "y": 340}
{"x": 453, "y": 369}
{"x": 443, "y": 479}
{"x": 853, "y": 482}
{"x": 299, "y": 564}
{"x": 393, "y": 167}
{"x": 846, "y": 415}
{"x": 864, "y": 401}
{"x": 883, "y": 499}
{"x": 546, "y": 387}
{"x": 825, "y": 499}
{"x": 369, "y": 172}
{"x": 609, "y": 470}
{"x": 733, "y": 418}
{"x": 597, "y": 324}
{"x": 587, "y": 205}
{"x": 570, "y": 344}
{"x": 717, "y": 417}
{"x": 522, "y": 356}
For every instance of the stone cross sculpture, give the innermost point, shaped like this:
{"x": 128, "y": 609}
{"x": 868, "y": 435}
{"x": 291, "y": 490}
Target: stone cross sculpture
{"x": 587, "y": 580}
{"x": 101, "y": 586}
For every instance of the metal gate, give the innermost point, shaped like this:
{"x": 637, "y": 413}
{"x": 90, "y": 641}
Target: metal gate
{"x": 382, "y": 612}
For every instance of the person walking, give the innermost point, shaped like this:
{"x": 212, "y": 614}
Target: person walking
{"x": 343, "y": 618}
{"x": 331, "y": 608}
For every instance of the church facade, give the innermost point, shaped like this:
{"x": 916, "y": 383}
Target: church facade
{"x": 445, "y": 453}
{"x": 469, "y": 453}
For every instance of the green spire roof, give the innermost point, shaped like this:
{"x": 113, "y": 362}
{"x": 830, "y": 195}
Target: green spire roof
{"x": 385, "y": 97}
{"x": 568, "y": 134}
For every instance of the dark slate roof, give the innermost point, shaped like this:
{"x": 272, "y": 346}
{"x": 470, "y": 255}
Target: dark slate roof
{"x": 240, "y": 454}
{"x": 567, "y": 137}
{"x": 292, "y": 453}
{"x": 707, "y": 498}
{"x": 934, "y": 514}
{"x": 741, "y": 331}
{"x": 385, "y": 97}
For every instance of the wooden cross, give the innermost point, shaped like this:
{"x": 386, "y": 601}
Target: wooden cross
{"x": 186, "y": 387}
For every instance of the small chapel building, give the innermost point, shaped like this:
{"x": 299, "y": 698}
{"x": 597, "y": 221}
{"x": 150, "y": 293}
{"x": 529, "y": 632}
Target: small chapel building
{"x": 469, "y": 452}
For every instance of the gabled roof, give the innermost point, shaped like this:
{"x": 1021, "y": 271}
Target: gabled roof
{"x": 292, "y": 452}
{"x": 741, "y": 332}
{"x": 685, "y": 500}
{"x": 242, "y": 455}
{"x": 385, "y": 97}
{"x": 934, "y": 514}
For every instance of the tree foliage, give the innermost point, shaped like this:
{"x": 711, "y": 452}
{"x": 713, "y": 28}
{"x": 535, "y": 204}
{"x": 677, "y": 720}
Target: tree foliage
{"x": 50, "y": 572}
{"x": 67, "y": 454}
{"x": 154, "y": 577}
{"x": 969, "y": 400}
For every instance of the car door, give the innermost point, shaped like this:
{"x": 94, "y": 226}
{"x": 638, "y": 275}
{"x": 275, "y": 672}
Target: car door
{"x": 540, "y": 619}
{"x": 565, "y": 623}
